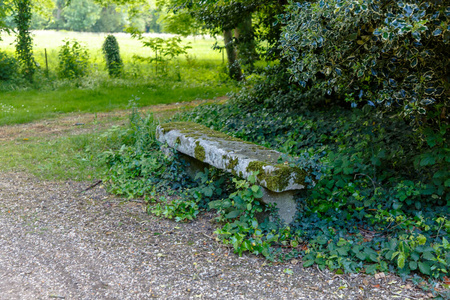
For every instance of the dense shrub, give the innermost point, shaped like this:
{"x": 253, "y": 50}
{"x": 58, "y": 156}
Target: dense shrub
{"x": 382, "y": 146}
{"x": 272, "y": 89}
{"x": 73, "y": 60}
{"x": 8, "y": 66}
{"x": 111, "y": 52}
{"x": 391, "y": 54}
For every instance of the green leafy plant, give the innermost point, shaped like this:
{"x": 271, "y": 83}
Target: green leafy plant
{"x": 181, "y": 209}
{"x": 8, "y": 66}
{"x": 165, "y": 50}
{"x": 73, "y": 60}
{"x": 242, "y": 204}
{"x": 187, "y": 205}
{"x": 240, "y": 213}
{"x": 138, "y": 167}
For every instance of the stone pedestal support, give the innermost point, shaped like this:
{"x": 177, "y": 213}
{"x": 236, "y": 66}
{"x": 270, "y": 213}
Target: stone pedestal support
{"x": 285, "y": 203}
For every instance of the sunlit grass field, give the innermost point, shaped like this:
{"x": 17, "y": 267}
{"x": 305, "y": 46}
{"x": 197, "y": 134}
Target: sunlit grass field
{"x": 200, "y": 75}
{"x": 51, "y": 40}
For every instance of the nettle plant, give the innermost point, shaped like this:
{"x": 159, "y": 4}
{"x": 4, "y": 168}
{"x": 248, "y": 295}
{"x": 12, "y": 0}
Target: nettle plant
{"x": 73, "y": 60}
{"x": 8, "y": 66}
{"x": 392, "y": 54}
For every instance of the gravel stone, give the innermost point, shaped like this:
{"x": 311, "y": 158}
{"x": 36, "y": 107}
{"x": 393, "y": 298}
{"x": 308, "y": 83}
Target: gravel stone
{"x": 57, "y": 242}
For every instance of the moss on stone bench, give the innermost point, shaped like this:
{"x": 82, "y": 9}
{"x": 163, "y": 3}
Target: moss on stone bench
{"x": 234, "y": 155}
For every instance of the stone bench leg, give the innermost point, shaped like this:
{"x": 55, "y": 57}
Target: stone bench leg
{"x": 285, "y": 203}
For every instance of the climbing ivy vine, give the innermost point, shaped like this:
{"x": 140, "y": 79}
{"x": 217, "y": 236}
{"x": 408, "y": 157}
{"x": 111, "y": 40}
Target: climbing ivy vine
{"x": 24, "y": 46}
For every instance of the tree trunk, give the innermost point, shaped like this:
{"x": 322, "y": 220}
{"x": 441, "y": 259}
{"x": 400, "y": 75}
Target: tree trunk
{"x": 246, "y": 43}
{"x": 233, "y": 64}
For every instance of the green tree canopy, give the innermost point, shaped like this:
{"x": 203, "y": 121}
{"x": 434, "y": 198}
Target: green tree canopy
{"x": 248, "y": 26}
{"x": 81, "y": 15}
{"x": 5, "y": 10}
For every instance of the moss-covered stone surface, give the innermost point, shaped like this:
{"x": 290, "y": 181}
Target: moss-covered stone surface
{"x": 278, "y": 178}
{"x": 232, "y": 154}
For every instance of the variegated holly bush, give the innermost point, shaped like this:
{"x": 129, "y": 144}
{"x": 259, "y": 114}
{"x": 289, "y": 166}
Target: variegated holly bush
{"x": 391, "y": 54}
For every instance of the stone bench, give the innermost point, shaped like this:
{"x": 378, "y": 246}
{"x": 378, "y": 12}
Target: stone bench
{"x": 279, "y": 181}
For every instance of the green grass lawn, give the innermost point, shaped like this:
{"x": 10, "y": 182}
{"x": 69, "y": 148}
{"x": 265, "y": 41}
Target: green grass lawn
{"x": 201, "y": 76}
{"x": 26, "y": 106}
{"x": 67, "y": 157}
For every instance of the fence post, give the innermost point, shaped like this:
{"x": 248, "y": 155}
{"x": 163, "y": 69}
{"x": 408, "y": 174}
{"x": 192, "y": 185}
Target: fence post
{"x": 46, "y": 62}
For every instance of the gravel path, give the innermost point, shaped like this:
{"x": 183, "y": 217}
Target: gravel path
{"x": 59, "y": 243}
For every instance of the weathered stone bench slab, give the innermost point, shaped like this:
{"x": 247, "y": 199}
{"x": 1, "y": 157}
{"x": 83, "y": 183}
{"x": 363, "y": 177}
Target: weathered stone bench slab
{"x": 241, "y": 158}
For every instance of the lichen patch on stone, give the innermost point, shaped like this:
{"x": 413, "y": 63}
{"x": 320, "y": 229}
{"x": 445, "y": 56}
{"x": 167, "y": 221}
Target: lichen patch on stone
{"x": 199, "y": 151}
